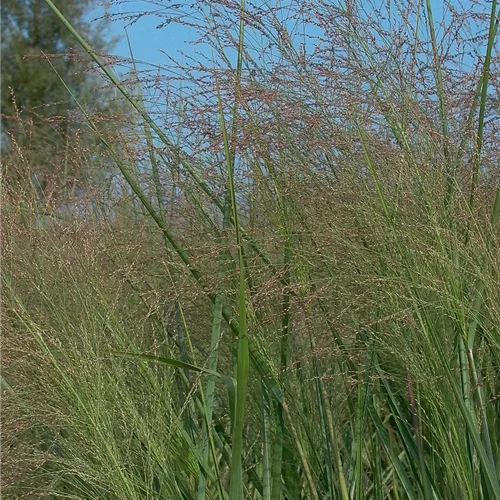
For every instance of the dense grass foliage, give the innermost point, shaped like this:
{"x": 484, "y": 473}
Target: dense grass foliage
{"x": 281, "y": 282}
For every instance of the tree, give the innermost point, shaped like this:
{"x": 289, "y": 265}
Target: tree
{"x": 32, "y": 94}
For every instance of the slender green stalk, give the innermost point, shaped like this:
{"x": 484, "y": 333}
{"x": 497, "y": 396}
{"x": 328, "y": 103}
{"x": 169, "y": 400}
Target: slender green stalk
{"x": 236, "y": 484}
{"x": 212, "y": 364}
{"x": 328, "y": 445}
{"x": 482, "y": 105}
{"x": 277, "y": 457}
{"x": 332, "y": 436}
{"x": 445, "y": 128}
{"x": 266, "y": 446}
{"x": 359, "y": 444}
{"x": 300, "y": 449}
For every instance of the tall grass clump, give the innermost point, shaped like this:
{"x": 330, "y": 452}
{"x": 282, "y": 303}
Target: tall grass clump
{"x": 281, "y": 279}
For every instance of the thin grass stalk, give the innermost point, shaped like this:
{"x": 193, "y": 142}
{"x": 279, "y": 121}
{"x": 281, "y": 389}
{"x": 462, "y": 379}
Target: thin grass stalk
{"x": 466, "y": 391}
{"x": 378, "y": 484}
{"x": 236, "y": 480}
{"x": 445, "y": 127}
{"x": 200, "y": 402}
{"x": 277, "y": 457}
{"x": 289, "y": 475}
{"x": 472, "y": 112}
{"x": 384, "y": 439}
{"x": 481, "y": 406}
{"x": 398, "y": 132}
{"x": 326, "y": 435}
{"x": 285, "y": 310}
{"x": 209, "y": 442}
{"x": 358, "y": 476}
{"x": 278, "y": 445}
{"x": 333, "y": 440}
{"x": 223, "y": 448}
{"x": 482, "y": 105}
{"x": 344, "y": 494}
{"x": 418, "y": 435}
{"x": 300, "y": 449}
{"x": 214, "y": 346}
{"x": 480, "y": 287}
{"x": 266, "y": 445}
{"x": 409, "y": 442}
{"x": 415, "y": 48}
{"x": 149, "y": 143}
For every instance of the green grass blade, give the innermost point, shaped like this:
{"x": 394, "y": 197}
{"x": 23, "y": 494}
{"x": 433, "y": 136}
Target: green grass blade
{"x": 166, "y": 361}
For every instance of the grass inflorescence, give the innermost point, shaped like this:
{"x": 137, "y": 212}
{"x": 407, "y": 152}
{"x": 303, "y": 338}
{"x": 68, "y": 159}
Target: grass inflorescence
{"x": 283, "y": 286}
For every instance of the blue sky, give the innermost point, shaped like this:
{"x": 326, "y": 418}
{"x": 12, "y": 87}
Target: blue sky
{"x": 146, "y": 40}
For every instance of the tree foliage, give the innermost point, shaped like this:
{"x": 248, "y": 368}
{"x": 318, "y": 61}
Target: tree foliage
{"x": 29, "y": 32}
{"x": 38, "y": 114}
